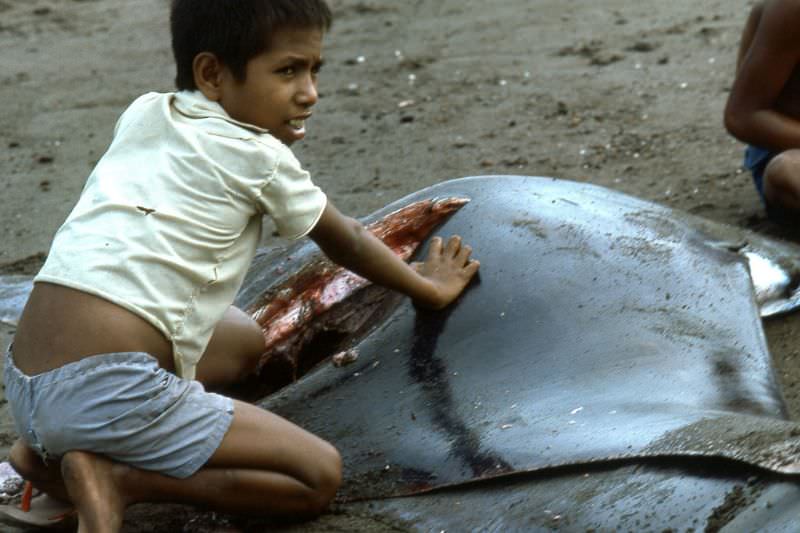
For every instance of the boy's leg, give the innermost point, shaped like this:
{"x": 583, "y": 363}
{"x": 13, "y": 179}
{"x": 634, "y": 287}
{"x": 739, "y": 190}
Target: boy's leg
{"x": 232, "y": 354}
{"x": 265, "y": 465}
{"x": 782, "y": 181}
{"x": 233, "y": 351}
{"x": 44, "y": 476}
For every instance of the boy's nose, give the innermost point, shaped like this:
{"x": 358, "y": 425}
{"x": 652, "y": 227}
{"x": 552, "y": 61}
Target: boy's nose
{"x": 307, "y": 94}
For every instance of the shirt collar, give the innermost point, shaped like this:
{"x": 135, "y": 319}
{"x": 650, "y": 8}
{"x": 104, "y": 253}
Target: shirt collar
{"x": 194, "y": 104}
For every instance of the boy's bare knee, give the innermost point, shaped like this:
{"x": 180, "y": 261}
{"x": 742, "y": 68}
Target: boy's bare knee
{"x": 255, "y": 336}
{"x": 251, "y": 347}
{"x": 242, "y": 329}
{"x": 234, "y": 350}
{"x": 330, "y": 472}
{"x": 327, "y": 479}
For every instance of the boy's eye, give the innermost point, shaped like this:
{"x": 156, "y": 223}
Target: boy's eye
{"x": 286, "y": 71}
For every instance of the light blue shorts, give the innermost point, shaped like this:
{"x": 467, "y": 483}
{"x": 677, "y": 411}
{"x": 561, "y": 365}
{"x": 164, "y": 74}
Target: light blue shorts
{"x": 120, "y": 405}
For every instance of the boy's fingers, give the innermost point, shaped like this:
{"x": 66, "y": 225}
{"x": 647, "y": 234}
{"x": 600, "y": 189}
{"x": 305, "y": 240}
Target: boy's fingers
{"x": 436, "y": 246}
{"x": 472, "y": 267}
{"x": 464, "y": 253}
{"x": 453, "y": 246}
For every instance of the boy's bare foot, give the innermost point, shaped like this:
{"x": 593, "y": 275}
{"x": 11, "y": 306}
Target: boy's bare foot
{"x": 94, "y": 486}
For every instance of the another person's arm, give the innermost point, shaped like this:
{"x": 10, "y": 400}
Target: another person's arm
{"x": 434, "y": 283}
{"x": 769, "y": 56}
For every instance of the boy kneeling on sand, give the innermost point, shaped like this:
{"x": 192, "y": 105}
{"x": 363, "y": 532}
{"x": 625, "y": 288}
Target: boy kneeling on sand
{"x": 130, "y": 316}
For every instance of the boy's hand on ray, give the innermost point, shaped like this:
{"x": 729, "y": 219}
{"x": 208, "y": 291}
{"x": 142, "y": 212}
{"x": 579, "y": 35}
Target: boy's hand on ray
{"x": 449, "y": 269}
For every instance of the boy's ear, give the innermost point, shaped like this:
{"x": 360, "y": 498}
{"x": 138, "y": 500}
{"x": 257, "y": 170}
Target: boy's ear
{"x": 208, "y": 75}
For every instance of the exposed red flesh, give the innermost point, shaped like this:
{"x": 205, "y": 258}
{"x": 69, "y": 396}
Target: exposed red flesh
{"x": 321, "y": 284}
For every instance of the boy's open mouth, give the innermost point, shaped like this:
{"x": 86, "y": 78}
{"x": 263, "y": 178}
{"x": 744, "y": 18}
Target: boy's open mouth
{"x": 298, "y": 123}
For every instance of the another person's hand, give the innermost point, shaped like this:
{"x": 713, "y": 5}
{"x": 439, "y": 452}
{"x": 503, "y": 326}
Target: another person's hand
{"x": 448, "y": 268}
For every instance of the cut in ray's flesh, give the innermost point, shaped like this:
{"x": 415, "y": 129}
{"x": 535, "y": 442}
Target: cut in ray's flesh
{"x": 320, "y": 284}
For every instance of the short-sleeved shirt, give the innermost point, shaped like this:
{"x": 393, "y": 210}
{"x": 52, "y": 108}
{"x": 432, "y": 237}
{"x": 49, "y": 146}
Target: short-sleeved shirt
{"x": 170, "y": 219}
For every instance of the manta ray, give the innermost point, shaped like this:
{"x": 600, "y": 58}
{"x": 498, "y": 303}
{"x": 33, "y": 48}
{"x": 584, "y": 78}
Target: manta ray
{"x": 607, "y": 370}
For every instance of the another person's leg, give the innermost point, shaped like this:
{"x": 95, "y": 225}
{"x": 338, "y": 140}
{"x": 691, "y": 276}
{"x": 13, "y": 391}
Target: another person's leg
{"x": 782, "y": 182}
{"x": 264, "y": 465}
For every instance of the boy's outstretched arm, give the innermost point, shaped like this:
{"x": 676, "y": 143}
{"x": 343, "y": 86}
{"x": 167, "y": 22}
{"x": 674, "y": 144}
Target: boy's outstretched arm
{"x": 769, "y": 57}
{"x": 433, "y": 283}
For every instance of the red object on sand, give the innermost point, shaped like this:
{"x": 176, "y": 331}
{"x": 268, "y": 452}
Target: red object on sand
{"x": 27, "y": 493}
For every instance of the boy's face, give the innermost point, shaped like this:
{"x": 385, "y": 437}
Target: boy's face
{"x": 280, "y": 85}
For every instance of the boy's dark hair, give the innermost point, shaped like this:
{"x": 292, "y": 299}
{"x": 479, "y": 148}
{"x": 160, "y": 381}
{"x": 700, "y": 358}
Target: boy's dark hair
{"x": 235, "y": 30}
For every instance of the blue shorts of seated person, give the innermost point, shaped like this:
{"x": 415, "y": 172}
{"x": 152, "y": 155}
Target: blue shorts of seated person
{"x": 756, "y": 160}
{"x": 120, "y": 405}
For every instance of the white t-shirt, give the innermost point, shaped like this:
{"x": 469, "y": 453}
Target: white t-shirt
{"x": 170, "y": 218}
